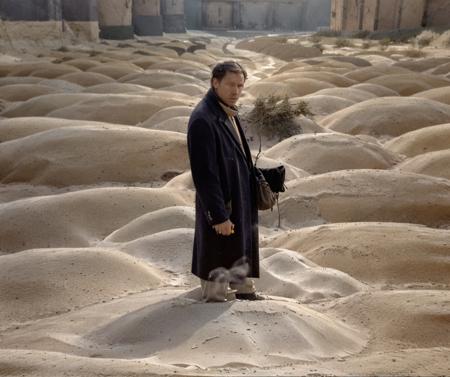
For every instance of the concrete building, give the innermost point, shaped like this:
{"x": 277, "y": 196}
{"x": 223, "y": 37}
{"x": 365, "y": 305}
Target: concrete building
{"x": 385, "y": 15}
{"x": 173, "y": 16}
{"x": 283, "y": 15}
{"x": 30, "y": 21}
{"x": 80, "y": 19}
{"x": 147, "y": 19}
{"x": 115, "y": 19}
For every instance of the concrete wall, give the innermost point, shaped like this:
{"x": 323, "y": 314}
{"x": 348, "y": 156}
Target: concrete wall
{"x": 193, "y": 14}
{"x": 314, "y": 14}
{"x": 30, "y": 10}
{"x": 147, "y": 19}
{"x": 437, "y": 13}
{"x": 217, "y": 14}
{"x": 81, "y": 19}
{"x": 173, "y": 16}
{"x": 371, "y": 15}
{"x": 115, "y": 19}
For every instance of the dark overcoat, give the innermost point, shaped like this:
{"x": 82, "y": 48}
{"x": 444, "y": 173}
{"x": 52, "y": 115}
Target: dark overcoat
{"x": 223, "y": 174}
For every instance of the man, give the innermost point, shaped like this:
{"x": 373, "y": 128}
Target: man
{"x": 226, "y": 222}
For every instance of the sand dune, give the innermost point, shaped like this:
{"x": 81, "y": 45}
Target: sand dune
{"x": 165, "y": 114}
{"x": 86, "y": 78}
{"x": 322, "y": 105}
{"x": 436, "y": 164}
{"x": 437, "y": 94}
{"x": 23, "y": 92}
{"x": 424, "y": 140}
{"x": 93, "y": 154}
{"x": 409, "y": 83}
{"x": 175, "y": 124}
{"x": 158, "y": 79}
{"x": 380, "y": 254}
{"x": 15, "y": 128}
{"x": 245, "y": 335}
{"x": 416, "y": 318}
{"x": 77, "y": 219}
{"x": 367, "y": 73}
{"x": 118, "y": 88}
{"x": 287, "y": 274}
{"x": 154, "y": 222}
{"x": 111, "y": 107}
{"x": 351, "y": 94}
{"x": 45, "y": 282}
{"x": 378, "y": 90}
{"x": 388, "y": 116}
{"x": 364, "y": 195}
{"x": 327, "y": 152}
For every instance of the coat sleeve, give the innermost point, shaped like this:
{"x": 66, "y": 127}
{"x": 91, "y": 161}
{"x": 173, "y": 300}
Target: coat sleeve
{"x": 205, "y": 171}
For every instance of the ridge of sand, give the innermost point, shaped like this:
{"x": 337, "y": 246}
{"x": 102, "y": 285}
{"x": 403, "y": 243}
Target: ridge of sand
{"x": 381, "y": 254}
{"x": 377, "y": 116}
{"x": 436, "y": 164}
{"x": 77, "y": 219}
{"x": 44, "y": 282}
{"x": 364, "y": 195}
{"x": 428, "y": 139}
{"x": 436, "y": 94}
{"x": 326, "y": 152}
{"x": 93, "y": 154}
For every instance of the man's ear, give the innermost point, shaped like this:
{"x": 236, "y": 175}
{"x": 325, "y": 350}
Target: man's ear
{"x": 215, "y": 83}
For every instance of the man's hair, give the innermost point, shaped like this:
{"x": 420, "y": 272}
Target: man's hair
{"x": 221, "y": 69}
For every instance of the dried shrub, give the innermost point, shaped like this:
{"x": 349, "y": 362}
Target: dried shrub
{"x": 443, "y": 40}
{"x": 414, "y": 53}
{"x": 274, "y": 116}
{"x": 366, "y": 45}
{"x": 385, "y": 42}
{"x": 425, "y": 38}
{"x": 343, "y": 42}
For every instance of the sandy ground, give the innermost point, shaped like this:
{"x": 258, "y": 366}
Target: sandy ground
{"x": 96, "y": 207}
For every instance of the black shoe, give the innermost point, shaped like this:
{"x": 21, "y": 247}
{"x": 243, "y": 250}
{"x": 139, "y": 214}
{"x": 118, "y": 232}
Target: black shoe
{"x": 249, "y": 296}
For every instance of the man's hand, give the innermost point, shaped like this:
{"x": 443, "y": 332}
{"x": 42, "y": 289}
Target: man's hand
{"x": 225, "y": 229}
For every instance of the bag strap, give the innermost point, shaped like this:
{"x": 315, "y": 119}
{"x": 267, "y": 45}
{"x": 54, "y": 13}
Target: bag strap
{"x": 277, "y": 194}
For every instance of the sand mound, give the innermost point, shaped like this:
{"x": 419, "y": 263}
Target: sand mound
{"x": 23, "y": 92}
{"x": 181, "y": 182}
{"x": 176, "y": 124}
{"x": 118, "y": 88}
{"x": 425, "y": 140}
{"x": 329, "y": 152}
{"x": 417, "y": 319}
{"x": 147, "y": 61}
{"x": 265, "y": 89}
{"x": 45, "y": 282}
{"x": 443, "y": 69}
{"x": 403, "y": 255}
{"x": 62, "y": 85}
{"x": 178, "y": 64}
{"x": 304, "y": 86}
{"x": 42, "y": 69}
{"x": 79, "y": 218}
{"x": 329, "y": 77}
{"x": 250, "y": 334}
{"x": 154, "y": 222}
{"x": 285, "y": 273}
{"x": 86, "y": 78}
{"x": 292, "y": 172}
{"x": 15, "y": 128}
{"x": 82, "y": 63}
{"x": 278, "y": 48}
{"x": 367, "y": 73}
{"x": 388, "y": 116}
{"x": 409, "y": 83}
{"x": 438, "y": 94}
{"x": 19, "y": 80}
{"x": 350, "y": 94}
{"x": 323, "y": 105}
{"x": 159, "y": 79}
{"x": 92, "y": 154}
{"x": 42, "y": 105}
{"x": 436, "y": 164}
{"x": 189, "y": 89}
{"x": 168, "y": 250}
{"x": 378, "y": 90}
{"x": 119, "y": 108}
{"x": 115, "y": 71}
{"x": 421, "y": 65}
{"x": 364, "y": 195}
{"x": 165, "y": 114}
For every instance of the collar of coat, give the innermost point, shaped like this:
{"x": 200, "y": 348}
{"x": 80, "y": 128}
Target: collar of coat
{"x": 211, "y": 96}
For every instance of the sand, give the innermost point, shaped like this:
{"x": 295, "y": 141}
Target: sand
{"x": 97, "y": 213}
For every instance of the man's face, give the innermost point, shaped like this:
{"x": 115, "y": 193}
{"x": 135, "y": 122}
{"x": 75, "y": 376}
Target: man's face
{"x": 229, "y": 89}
